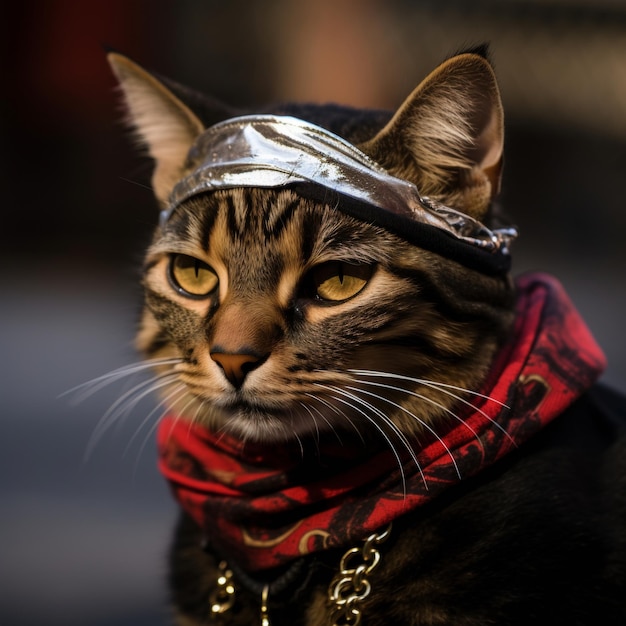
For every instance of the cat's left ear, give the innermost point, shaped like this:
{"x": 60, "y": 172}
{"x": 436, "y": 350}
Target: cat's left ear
{"x": 447, "y": 138}
{"x": 165, "y": 125}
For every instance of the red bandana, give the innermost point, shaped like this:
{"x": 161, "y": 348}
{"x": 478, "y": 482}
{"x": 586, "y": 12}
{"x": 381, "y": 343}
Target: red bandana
{"x": 264, "y": 505}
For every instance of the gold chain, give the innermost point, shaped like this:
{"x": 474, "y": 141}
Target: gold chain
{"x": 346, "y": 591}
{"x": 265, "y": 615}
{"x": 351, "y": 585}
{"x": 223, "y": 596}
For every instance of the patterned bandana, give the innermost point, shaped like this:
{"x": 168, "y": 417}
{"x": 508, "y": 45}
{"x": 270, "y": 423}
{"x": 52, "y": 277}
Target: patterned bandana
{"x": 264, "y": 505}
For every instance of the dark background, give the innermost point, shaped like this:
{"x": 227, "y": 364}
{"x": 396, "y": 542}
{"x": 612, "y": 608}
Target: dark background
{"x": 83, "y": 536}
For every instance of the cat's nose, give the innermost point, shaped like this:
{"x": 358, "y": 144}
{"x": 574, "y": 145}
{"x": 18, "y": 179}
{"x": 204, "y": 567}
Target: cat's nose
{"x": 236, "y": 366}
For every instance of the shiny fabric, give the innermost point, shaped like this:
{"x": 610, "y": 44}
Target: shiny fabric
{"x": 270, "y": 151}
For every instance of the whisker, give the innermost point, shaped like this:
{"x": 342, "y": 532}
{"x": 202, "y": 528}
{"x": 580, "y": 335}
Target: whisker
{"x": 381, "y": 430}
{"x": 429, "y": 400}
{"x": 415, "y": 417}
{"x": 124, "y": 404}
{"x": 136, "y": 183}
{"x": 194, "y": 420}
{"x": 178, "y": 415}
{"x": 96, "y": 384}
{"x": 341, "y": 414}
{"x": 196, "y": 415}
{"x": 310, "y": 412}
{"x": 443, "y": 388}
{"x": 401, "y": 436}
{"x": 179, "y": 389}
{"x": 371, "y": 420}
{"x": 129, "y": 400}
{"x": 182, "y": 389}
{"x": 430, "y": 383}
{"x": 299, "y": 444}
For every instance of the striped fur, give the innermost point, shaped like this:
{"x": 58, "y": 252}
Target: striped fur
{"x": 419, "y": 316}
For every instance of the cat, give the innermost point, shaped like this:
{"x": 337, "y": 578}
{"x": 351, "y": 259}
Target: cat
{"x": 368, "y": 420}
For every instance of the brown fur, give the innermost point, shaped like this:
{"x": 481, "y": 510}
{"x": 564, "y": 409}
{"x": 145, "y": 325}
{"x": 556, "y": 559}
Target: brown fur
{"x": 457, "y": 344}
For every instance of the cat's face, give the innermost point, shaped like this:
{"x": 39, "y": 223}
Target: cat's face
{"x": 274, "y": 304}
{"x": 273, "y": 316}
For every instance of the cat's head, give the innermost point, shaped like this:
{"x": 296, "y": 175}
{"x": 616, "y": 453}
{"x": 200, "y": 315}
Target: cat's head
{"x": 272, "y": 313}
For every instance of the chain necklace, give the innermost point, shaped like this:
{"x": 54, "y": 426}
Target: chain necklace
{"x": 351, "y": 584}
{"x": 347, "y": 590}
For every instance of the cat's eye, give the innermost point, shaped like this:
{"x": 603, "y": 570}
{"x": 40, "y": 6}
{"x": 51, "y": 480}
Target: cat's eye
{"x": 337, "y": 280}
{"x": 192, "y": 277}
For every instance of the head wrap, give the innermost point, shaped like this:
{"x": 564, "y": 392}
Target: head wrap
{"x": 270, "y": 151}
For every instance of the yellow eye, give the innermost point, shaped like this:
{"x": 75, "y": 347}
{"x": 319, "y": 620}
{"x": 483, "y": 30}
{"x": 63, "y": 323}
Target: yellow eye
{"x": 336, "y": 281}
{"x": 192, "y": 277}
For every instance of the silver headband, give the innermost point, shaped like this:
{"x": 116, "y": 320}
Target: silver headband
{"x": 272, "y": 151}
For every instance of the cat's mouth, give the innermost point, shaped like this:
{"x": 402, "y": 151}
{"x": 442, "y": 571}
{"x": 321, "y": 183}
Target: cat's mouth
{"x": 258, "y": 421}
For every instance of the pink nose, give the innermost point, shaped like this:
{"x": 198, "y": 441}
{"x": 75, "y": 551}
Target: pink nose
{"x": 236, "y": 366}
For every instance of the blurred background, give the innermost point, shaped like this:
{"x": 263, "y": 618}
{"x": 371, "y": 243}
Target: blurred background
{"x": 84, "y": 517}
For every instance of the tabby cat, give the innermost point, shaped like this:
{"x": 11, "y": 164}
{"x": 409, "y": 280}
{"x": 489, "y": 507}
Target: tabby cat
{"x": 367, "y": 419}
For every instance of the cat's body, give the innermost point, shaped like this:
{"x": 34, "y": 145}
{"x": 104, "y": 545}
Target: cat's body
{"x": 326, "y": 375}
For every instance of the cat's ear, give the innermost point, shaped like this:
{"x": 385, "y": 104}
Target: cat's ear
{"x": 165, "y": 125}
{"x": 448, "y": 136}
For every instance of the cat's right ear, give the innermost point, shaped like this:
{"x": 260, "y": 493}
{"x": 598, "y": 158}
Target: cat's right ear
{"x": 164, "y": 124}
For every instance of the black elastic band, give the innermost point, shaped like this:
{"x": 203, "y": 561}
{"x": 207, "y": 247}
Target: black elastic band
{"x": 416, "y": 233}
